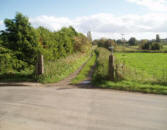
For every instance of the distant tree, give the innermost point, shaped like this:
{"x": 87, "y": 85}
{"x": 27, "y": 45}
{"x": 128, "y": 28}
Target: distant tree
{"x": 119, "y": 42}
{"x": 156, "y": 46}
{"x": 158, "y": 38}
{"x": 132, "y": 41}
{"x": 89, "y": 36}
{"x": 149, "y": 45}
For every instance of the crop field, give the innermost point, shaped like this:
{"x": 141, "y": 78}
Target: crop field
{"x": 145, "y": 66}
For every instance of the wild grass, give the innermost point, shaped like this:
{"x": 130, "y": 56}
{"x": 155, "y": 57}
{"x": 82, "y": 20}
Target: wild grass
{"x": 133, "y": 86}
{"x": 85, "y": 70}
{"x": 101, "y": 70}
{"x": 24, "y": 76}
{"x": 142, "y": 72}
{"x": 60, "y": 69}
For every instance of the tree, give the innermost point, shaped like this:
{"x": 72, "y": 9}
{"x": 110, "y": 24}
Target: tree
{"x": 158, "y": 38}
{"x": 81, "y": 43}
{"x": 20, "y": 38}
{"x": 132, "y": 41}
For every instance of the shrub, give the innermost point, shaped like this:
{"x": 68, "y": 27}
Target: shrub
{"x": 150, "y": 45}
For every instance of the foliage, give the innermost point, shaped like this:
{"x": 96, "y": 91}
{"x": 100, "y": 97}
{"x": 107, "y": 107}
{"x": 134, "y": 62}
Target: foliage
{"x": 20, "y": 44}
{"x": 132, "y": 41}
{"x": 20, "y": 37}
{"x": 101, "y": 70}
{"x": 150, "y": 45}
{"x": 106, "y": 43}
{"x": 81, "y": 44}
{"x": 158, "y": 38}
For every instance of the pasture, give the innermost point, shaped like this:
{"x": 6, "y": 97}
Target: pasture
{"x": 146, "y": 66}
{"x": 141, "y": 72}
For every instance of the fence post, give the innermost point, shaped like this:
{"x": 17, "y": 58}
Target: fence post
{"x": 40, "y": 65}
{"x": 111, "y": 68}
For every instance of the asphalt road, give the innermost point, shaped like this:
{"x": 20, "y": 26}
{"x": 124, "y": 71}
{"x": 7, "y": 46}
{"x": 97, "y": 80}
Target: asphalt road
{"x": 39, "y": 108}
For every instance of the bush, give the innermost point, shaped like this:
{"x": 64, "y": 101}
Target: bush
{"x": 106, "y": 43}
{"x": 149, "y": 45}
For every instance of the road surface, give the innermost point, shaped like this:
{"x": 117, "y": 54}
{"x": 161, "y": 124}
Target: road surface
{"x": 71, "y": 108}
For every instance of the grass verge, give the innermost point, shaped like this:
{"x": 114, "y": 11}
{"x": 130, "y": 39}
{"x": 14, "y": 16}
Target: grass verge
{"x": 60, "y": 69}
{"x": 85, "y": 71}
{"x": 134, "y": 87}
{"x": 17, "y": 77}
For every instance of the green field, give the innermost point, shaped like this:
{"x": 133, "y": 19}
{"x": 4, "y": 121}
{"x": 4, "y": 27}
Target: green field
{"x": 145, "y": 66}
{"x": 141, "y": 72}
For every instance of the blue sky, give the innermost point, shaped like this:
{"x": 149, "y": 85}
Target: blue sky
{"x": 66, "y": 8}
{"x": 105, "y": 18}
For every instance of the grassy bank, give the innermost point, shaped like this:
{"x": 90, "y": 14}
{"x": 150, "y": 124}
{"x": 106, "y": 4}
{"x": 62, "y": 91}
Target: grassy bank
{"x": 60, "y": 69}
{"x": 143, "y": 72}
{"x": 101, "y": 70}
{"x": 85, "y": 71}
{"x": 134, "y": 86}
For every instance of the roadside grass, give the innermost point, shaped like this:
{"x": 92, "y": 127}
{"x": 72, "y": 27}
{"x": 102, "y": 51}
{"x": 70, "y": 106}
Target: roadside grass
{"x": 134, "y": 86}
{"x": 85, "y": 70}
{"x": 60, "y": 69}
{"x": 147, "y": 75}
{"x": 17, "y": 77}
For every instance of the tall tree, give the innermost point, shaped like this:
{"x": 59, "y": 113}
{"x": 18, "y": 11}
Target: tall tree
{"x": 132, "y": 41}
{"x": 158, "y": 38}
{"x": 20, "y": 38}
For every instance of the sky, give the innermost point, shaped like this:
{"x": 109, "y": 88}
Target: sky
{"x": 142, "y": 19}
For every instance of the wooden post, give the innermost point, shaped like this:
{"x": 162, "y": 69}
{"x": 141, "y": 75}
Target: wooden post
{"x": 40, "y": 65}
{"x": 111, "y": 68}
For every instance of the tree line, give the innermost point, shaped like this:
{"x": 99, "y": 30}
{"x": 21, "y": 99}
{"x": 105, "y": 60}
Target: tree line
{"x": 145, "y": 44}
{"x": 20, "y": 44}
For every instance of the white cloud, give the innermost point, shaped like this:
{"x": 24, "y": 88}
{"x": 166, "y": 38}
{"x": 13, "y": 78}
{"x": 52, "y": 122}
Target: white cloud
{"x": 108, "y": 25}
{"x": 50, "y": 22}
{"x": 153, "y": 5}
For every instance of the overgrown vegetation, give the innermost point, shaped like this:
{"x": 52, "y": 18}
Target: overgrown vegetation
{"x": 61, "y": 68}
{"x": 20, "y": 44}
{"x": 101, "y": 70}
